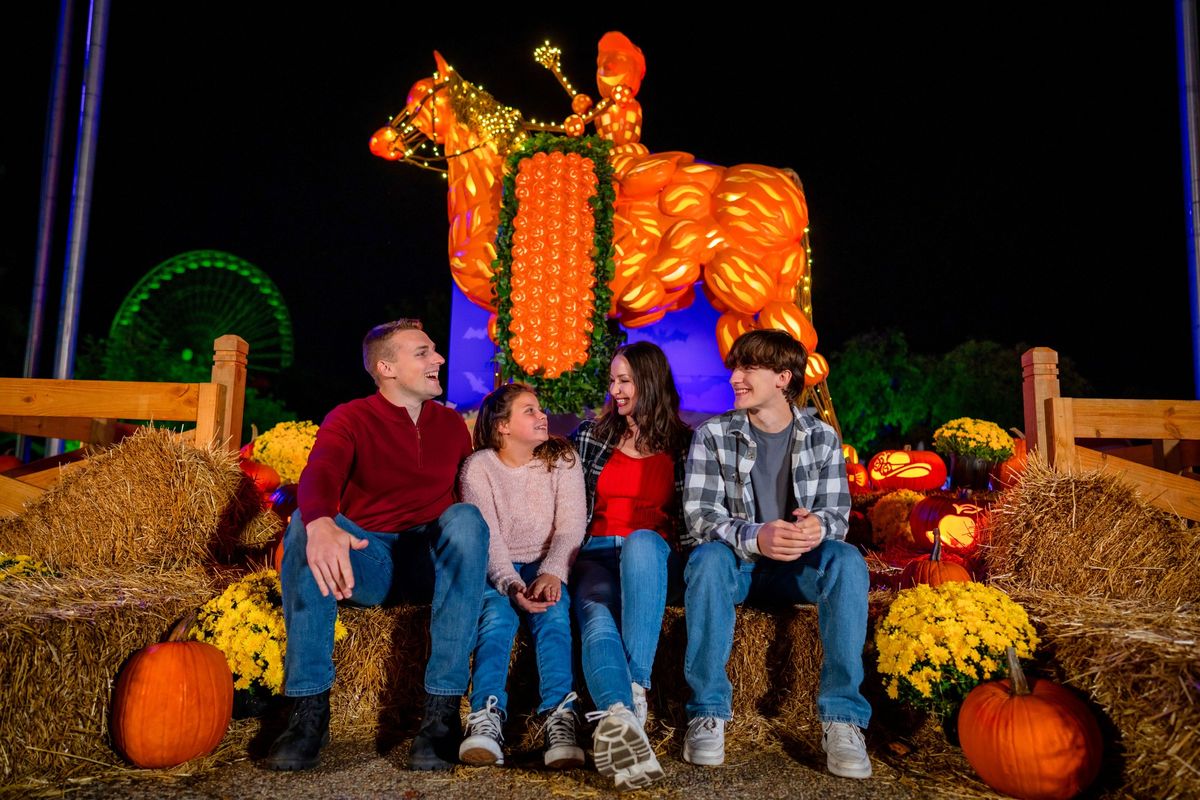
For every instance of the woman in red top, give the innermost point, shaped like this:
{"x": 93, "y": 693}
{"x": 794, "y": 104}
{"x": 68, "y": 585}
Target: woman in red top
{"x": 633, "y": 458}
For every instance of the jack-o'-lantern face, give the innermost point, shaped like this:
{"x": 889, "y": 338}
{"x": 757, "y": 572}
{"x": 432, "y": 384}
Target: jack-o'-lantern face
{"x": 619, "y": 61}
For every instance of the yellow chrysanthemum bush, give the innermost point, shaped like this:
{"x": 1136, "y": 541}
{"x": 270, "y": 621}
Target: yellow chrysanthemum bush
{"x": 938, "y": 643}
{"x": 18, "y": 566}
{"x": 285, "y": 448}
{"x": 889, "y": 517}
{"x": 973, "y": 437}
{"x": 245, "y": 622}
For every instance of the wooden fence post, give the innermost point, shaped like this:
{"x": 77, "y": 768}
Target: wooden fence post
{"x": 1039, "y": 371}
{"x": 229, "y": 369}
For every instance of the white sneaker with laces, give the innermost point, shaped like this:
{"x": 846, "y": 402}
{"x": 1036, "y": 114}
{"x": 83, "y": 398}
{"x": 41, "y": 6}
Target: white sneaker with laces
{"x": 622, "y": 751}
{"x": 485, "y": 737}
{"x": 705, "y": 742}
{"x": 641, "y": 709}
{"x": 561, "y": 737}
{"x": 845, "y": 750}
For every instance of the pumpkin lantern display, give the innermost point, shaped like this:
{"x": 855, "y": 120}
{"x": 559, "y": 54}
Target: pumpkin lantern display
{"x": 1030, "y": 739}
{"x": 917, "y": 470}
{"x": 172, "y": 702}
{"x": 932, "y": 570}
{"x": 956, "y": 525}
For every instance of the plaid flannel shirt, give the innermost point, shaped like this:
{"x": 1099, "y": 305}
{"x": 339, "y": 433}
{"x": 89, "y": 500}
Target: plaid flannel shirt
{"x": 594, "y": 454}
{"x": 718, "y": 497}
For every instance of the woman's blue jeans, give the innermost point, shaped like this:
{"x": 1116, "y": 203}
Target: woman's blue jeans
{"x": 833, "y": 576}
{"x": 443, "y": 562}
{"x": 620, "y": 591}
{"x": 551, "y": 632}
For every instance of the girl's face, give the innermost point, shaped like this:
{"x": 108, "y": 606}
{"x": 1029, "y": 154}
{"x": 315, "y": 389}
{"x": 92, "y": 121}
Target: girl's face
{"x": 526, "y": 423}
{"x": 621, "y": 387}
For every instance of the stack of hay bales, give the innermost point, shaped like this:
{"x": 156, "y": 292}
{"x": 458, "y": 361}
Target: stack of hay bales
{"x": 1114, "y": 588}
{"x": 132, "y": 537}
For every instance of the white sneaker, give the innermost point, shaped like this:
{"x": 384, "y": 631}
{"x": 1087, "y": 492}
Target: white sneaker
{"x": 485, "y": 738}
{"x": 846, "y": 750}
{"x": 621, "y": 750}
{"x": 641, "y": 709}
{"x": 705, "y": 742}
{"x": 562, "y": 750}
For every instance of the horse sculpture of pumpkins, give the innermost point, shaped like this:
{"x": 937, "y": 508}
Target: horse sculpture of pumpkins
{"x": 740, "y": 232}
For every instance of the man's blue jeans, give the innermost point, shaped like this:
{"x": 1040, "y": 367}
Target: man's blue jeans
{"x": 620, "y": 586}
{"x": 443, "y": 562}
{"x": 551, "y": 632}
{"x": 833, "y": 576}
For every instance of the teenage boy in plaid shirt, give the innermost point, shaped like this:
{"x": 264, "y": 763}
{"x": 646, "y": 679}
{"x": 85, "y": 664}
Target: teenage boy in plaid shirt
{"x": 766, "y": 494}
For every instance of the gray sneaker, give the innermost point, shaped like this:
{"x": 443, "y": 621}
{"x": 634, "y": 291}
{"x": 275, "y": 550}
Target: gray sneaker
{"x": 622, "y": 751}
{"x": 845, "y": 750}
{"x": 641, "y": 709}
{"x": 705, "y": 742}
{"x": 561, "y": 737}
{"x": 484, "y": 745}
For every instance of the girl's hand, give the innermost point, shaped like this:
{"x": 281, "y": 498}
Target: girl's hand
{"x": 546, "y": 587}
{"x": 521, "y": 599}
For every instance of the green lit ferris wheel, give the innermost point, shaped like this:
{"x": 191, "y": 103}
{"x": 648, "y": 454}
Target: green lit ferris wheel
{"x": 182, "y": 305}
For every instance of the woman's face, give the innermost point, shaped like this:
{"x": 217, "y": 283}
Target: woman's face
{"x": 621, "y": 387}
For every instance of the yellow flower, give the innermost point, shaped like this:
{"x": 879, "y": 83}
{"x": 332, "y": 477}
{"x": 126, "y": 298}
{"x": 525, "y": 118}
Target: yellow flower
{"x": 19, "y": 566}
{"x": 973, "y": 437}
{"x": 285, "y": 448}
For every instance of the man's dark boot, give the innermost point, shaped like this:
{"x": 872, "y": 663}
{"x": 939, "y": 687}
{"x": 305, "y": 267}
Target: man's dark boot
{"x": 299, "y": 747}
{"x": 437, "y": 741}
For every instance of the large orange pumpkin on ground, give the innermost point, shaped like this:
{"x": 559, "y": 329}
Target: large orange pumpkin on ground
{"x": 173, "y": 702}
{"x": 1030, "y": 739}
{"x": 918, "y": 470}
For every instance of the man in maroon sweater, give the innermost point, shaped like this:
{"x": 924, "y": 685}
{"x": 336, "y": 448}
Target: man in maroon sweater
{"x": 377, "y": 522}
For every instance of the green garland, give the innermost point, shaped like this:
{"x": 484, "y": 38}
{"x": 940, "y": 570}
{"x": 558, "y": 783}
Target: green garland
{"x": 585, "y": 385}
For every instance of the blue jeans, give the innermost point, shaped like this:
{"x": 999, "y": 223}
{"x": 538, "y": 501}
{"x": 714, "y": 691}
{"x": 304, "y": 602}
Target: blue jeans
{"x": 620, "y": 586}
{"x": 551, "y": 631}
{"x": 443, "y": 562}
{"x": 833, "y": 576}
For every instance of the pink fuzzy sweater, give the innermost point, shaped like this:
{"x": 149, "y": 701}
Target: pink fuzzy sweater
{"x": 531, "y": 513}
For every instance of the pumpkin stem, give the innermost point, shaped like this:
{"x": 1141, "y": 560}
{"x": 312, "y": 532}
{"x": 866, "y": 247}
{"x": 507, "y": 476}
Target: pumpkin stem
{"x": 1020, "y": 686}
{"x": 179, "y": 632}
{"x": 908, "y": 448}
{"x": 936, "y": 555}
{"x": 1017, "y": 432}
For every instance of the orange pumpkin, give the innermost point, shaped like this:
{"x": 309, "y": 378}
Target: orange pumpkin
{"x": 917, "y": 470}
{"x": 9, "y": 462}
{"x": 1030, "y": 739}
{"x": 172, "y": 702}
{"x": 939, "y": 519}
{"x": 1009, "y": 471}
{"x": 856, "y": 476}
{"x": 265, "y": 478}
{"x": 932, "y": 570}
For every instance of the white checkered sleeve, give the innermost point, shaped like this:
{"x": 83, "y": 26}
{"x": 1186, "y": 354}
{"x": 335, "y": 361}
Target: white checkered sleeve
{"x": 826, "y": 485}
{"x": 704, "y": 497}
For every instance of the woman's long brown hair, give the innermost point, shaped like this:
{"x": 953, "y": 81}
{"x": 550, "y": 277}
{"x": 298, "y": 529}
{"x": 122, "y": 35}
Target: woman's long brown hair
{"x": 497, "y": 408}
{"x": 656, "y": 406}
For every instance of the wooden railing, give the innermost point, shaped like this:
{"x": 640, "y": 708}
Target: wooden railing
{"x": 89, "y": 411}
{"x": 1075, "y": 433}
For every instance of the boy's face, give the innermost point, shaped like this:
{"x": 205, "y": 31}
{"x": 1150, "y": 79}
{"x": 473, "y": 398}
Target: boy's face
{"x": 757, "y": 387}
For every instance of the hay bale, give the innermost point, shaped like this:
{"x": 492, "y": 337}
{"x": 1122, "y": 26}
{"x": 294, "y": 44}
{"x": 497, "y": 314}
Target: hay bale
{"x": 151, "y": 503}
{"x": 1140, "y": 663}
{"x": 62, "y": 642}
{"x": 1089, "y": 534}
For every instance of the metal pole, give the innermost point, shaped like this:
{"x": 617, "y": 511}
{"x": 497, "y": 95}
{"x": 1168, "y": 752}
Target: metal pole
{"x": 81, "y": 196}
{"x": 51, "y": 153}
{"x": 1189, "y": 108}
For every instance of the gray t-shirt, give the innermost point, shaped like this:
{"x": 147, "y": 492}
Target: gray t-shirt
{"x": 771, "y": 476}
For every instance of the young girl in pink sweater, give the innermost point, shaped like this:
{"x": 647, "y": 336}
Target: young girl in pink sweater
{"x": 529, "y": 487}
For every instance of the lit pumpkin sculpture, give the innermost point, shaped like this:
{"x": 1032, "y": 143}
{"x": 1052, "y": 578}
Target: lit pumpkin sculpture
{"x": 939, "y": 519}
{"x": 916, "y": 470}
{"x": 1030, "y": 739}
{"x": 172, "y": 702}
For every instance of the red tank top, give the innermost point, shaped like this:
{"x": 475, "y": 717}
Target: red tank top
{"x": 635, "y": 493}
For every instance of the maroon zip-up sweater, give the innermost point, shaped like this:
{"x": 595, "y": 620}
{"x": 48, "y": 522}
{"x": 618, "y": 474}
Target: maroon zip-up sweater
{"x": 385, "y": 473}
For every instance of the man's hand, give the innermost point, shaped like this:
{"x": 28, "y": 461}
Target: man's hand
{"x": 328, "y": 554}
{"x": 545, "y": 587}
{"x": 522, "y": 600}
{"x": 787, "y": 541}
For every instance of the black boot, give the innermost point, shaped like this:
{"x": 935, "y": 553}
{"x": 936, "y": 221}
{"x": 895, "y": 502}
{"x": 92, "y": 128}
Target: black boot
{"x": 299, "y": 747}
{"x": 437, "y": 741}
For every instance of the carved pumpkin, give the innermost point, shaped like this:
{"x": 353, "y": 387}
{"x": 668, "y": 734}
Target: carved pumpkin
{"x": 1010, "y": 470}
{"x": 1030, "y": 739}
{"x": 856, "y": 476}
{"x": 932, "y": 570}
{"x": 918, "y": 470}
{"x": 956, "y": 525}
{"x": 172, "y": 702}
{"x": 850, "y": 454}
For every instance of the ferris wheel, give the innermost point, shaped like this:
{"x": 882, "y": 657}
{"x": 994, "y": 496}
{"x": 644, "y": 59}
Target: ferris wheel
{"x": 183, "y": 304}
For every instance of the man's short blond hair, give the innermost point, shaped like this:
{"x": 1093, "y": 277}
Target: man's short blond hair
{"x": 375, "y": 344}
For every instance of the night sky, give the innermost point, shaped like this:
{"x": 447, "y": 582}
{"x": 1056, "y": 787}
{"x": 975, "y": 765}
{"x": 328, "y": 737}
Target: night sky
{"x": 1014, "y": 177}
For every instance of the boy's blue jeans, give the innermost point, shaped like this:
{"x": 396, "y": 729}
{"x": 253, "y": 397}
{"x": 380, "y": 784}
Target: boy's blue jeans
{"x": 551, "y": 632}
{"x": 443, "y": 562}
{"x": 833, "y": 576}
